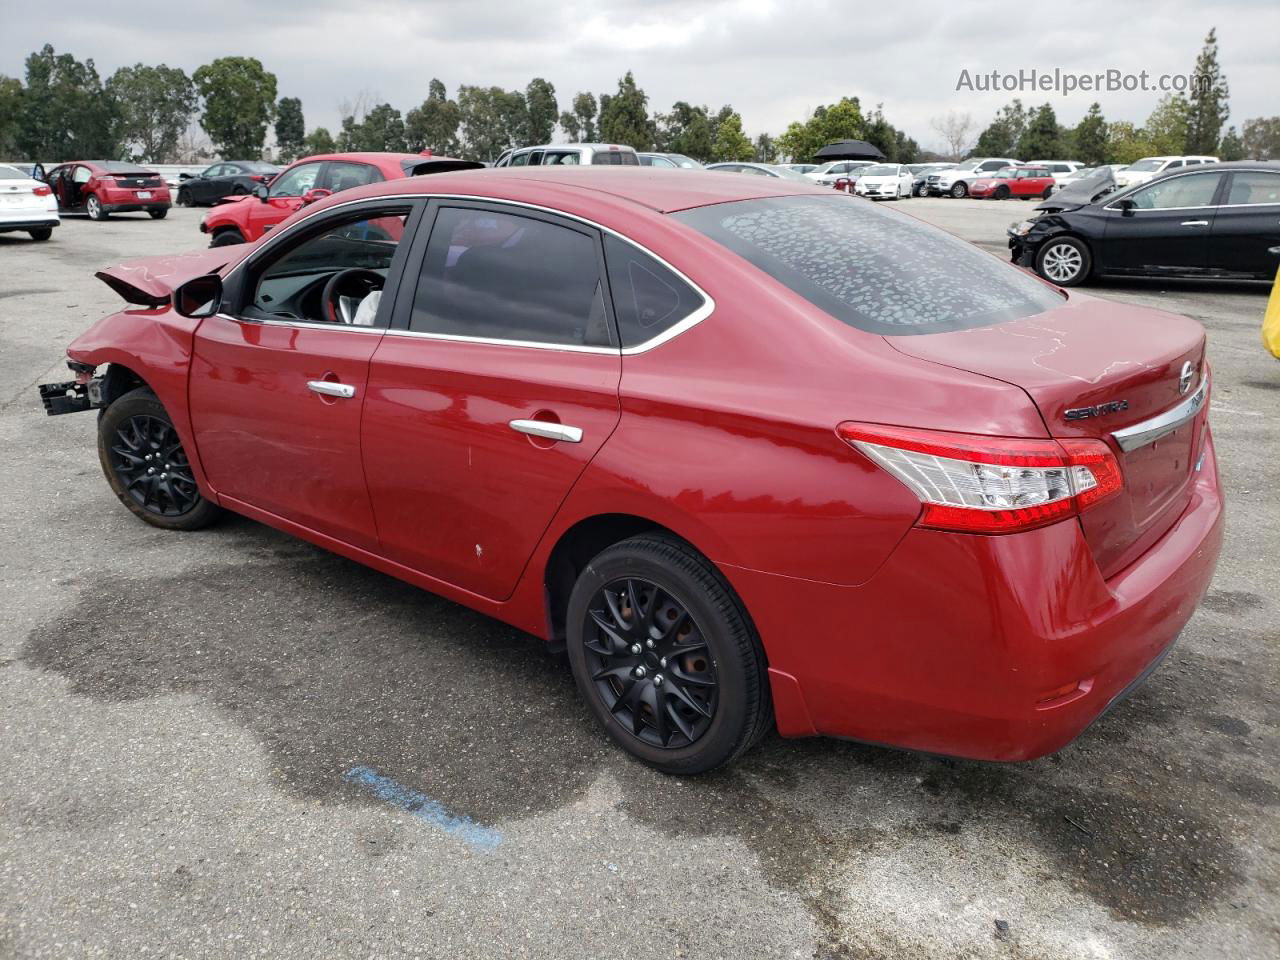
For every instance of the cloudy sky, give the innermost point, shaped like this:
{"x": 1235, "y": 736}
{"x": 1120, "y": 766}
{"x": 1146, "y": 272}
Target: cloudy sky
{"x": 774, "y": 61}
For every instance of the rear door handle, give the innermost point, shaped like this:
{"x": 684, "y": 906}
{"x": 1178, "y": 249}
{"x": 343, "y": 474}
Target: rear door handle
{"x": 1195, "y": 223}
{"x": 547, "y": 430}
{"x": 330, "y": 389}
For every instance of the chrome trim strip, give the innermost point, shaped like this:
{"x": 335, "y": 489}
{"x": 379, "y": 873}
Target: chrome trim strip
{"x": 697, "y": 316}
{"x": 330, "y": 389}
{"x": 302, "y": 323}
{"x": 1161, "y": 425}
{"x": 549, "y": 431}
{"x": 497, "y": 341}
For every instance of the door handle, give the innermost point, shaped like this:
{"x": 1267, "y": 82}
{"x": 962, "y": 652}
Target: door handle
{"x": 547, "y": 430}
{"x": 330, "y": 389}
{"x": 1195, "y": 223}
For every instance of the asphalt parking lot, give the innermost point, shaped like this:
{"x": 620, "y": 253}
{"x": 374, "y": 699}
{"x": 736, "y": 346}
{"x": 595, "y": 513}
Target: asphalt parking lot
{"x": 231, "y": 743}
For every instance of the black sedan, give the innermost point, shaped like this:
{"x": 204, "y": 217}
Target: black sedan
{"x": 1216, "y": 220}
{"x": 227, "y": 178}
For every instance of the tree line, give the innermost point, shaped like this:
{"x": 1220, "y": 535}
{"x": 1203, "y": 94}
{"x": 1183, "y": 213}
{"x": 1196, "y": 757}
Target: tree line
{"x": 1179, "y": 124}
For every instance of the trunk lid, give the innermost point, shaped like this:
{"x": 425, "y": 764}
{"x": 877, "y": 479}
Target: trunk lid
{"x": 1093, "y": 368}
{"x": 150, "y": 282}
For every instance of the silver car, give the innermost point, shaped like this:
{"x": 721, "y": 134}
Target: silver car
{"x": 570, "y": 155}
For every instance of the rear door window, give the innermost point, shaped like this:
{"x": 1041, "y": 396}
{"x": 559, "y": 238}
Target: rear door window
{"x": 296, "y": 181}
{"x": 342, "y": 175}
{"x": 648, "y": 298}
{"x": 500, "y": 276}
{"x": 872, "y": 268}
{"x": 1254, "y": 187}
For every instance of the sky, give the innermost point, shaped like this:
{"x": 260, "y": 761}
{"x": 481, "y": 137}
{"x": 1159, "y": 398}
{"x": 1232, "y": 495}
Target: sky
{"x": 773, "y": 61}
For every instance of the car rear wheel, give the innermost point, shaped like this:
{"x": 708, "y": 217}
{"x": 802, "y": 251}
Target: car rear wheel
{"x": 1048, "y": 192}
{"x": 1001, "y": 193}
{"x": 1065, "y": 261}
{"x": 41, "y": 233}
{"x": 93, "y": 207}
{"x": 184, "y": 198}
{"x": 959, "y": 191}
{"x": 159, "y": 213}
{"x": 666, "y": 657}
{"x": 146, "y": 466}
{"x": 227, "y": 238}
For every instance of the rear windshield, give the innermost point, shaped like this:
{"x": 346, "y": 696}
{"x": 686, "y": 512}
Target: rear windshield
{"x": 115, "y": 166}
{"x": 11, "y": 173}
{"x": 872, "y": 268}
{"x": 615, "y": 158}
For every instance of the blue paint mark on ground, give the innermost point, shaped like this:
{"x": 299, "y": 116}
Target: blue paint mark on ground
{"x": 423, "y": 807}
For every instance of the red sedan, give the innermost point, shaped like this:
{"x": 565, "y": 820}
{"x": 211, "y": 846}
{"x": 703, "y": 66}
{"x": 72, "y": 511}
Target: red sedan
{"x": 245, "y": 219}
{"x": 1020, "y": 182}
{"x": 99, "y": 188}
{"x": 909, "y": 495}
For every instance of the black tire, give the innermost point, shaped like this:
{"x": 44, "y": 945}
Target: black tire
{"x": 1065, "y": 261}
{"x": 239, "y": 190}
{"x": 960, "y": 190}
{"x": 1001, "y": 192}
{"x": 922, "y": 191}
{"x": 1048, "y": 192}
{"x": 158, "y": 213}
{"x": 93, "y": 207}
{"x": 41, "y": 233}
{"x": 134, "y": 429}
{"x": 227, "y": 237}
{"x": 669, "y": 576}
{"x": 184, "y": 197}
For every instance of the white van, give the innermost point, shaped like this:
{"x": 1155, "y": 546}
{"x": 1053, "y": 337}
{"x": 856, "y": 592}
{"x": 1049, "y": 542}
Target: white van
{"x": 570, "y": 154}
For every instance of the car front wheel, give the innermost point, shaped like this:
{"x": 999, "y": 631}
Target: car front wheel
{"x": 226, "y": 238}
{"x": 959, "y": 191}
{"x": 666, "y": 657}
{"x": 1065, "y": 261}
{"x": 146, "y": 465}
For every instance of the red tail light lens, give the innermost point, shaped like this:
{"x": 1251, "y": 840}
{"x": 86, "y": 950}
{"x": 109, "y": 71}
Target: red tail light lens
{"x": 979, "y": 484}
{"x": 41, "y": 191}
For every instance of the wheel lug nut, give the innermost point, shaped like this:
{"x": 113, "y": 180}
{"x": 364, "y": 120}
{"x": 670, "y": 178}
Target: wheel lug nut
{"x": 635, "y": 648}
{"x": 649, "y": 644}
{"x": 662, "y": 662}
{"x": 657, "y": 680}
{"x": 639, "y": 672}
{"x": 151, "y": 469}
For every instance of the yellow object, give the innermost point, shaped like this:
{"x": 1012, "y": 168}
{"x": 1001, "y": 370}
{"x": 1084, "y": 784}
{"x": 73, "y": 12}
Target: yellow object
{"x": 1271, "y": 322}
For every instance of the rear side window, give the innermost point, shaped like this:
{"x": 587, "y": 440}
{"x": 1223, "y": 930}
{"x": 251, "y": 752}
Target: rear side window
{"x": 507, "y": 277}
{"x": 344, "y": 176}
{"x": 1254, "y": 187}
{"x": 615, "y": 158}
{"x": 648, "y": 299}
{"x": 872, "y": 268}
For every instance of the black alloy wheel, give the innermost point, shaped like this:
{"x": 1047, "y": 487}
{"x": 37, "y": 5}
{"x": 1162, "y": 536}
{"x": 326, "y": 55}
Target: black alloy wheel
{"x": 650, "y": 663}
{"x": 664, "y": 654}
{"x": 146, "y": 465}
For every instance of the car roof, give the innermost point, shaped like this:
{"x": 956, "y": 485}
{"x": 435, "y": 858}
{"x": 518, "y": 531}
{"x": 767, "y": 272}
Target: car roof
{"x": 659, "y": 190}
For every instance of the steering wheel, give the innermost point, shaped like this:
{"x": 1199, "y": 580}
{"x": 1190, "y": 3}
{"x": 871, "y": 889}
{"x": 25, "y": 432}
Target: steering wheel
{"x": 344, "y": 291}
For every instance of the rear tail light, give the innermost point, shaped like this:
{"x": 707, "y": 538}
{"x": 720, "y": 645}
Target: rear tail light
{"x": 42, "y": 190}
{"x": 259, "y": 177}
{"x": 979, "y": 484}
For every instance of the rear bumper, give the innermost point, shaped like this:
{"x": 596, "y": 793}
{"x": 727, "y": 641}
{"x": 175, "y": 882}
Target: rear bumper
{"x": 134, "y": 206}
{"x": 30, "y": 223}
{"x": 993, "y": 648}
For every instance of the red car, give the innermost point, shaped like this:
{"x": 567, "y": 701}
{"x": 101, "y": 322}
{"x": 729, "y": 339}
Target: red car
{"x": 910, "y": 495}
{"x": 1021, "y": 182}
{"x": 103, "y": 187}
{"x": 246, "y": 219}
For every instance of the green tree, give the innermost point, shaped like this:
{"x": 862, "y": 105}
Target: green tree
{"x": 66, "y": 113}
{"x": 492, "y": 119}
{"x": 731, "y": 143}
{"x": 839, "y": 121}
{"x": 624, "y": 118}
{"x": 766, "y": 149}
{"x": 882, "y": 134}
{"x": 580, "y": 123}
{"x": 291, "y": 129}
{"x": 1232, "y": 147}
{"x": 380, "y": 129}
{"x": 1089, "y": 139}
{"x": 434, "y": 125}
{"x": 686, "y": 129}
{"x": 10, "y": 112}
{"x": 153, "y": 106}
{"x": 1126, "y": 143}
{"x": 1042, "y": 139}
{"x": 239, "y": 102}
{"x": 907, "y": 150}
{"x": 1207, "y": 110}
{"x": 318, "y": 141}
{"x": 540, "y": 100}
{"x": 1167, "y": 125}
{"x": 1000, "y": 138}
{"x": 1262, "y": 138}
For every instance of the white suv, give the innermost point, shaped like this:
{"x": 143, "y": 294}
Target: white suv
{"x": 570, "y": 155}
{"x": 1148, "y": 167}
{"x": 830, "y": 172}
{"x": 955, "y": 182}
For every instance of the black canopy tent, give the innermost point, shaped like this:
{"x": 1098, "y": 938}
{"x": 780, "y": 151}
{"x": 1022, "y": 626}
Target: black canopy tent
{"x": 849, "y": 150}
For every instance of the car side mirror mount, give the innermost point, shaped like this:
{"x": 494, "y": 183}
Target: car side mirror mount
{"x": 1126, "y": 206}
{"x": 184, "y": 176}
{"x": 314, "y": 194}
{"x": 199, "y": 298}
{"x": 261, "y": 192}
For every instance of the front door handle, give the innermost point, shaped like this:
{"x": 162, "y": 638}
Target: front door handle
{"x": 330, "y": 389}
{"x": 547, "y": 430}
{"x": 1195, "y": 223}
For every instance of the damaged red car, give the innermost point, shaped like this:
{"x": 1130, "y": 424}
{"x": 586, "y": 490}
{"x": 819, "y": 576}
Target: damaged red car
{"x": 244, "y": 219}
{"x": 909, "y": 495}
{"x": 99, "y": 188}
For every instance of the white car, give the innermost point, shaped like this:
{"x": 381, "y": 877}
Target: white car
{"x": 885, "y": 181}
{"x": 570, "y": 155}
{"x": 1059, "y": 169}
{"x": 26, "y": 204}
{"x": 1148, "y": 167}
{"x": 830, "y": 172}
{"x": 955, "y": 182}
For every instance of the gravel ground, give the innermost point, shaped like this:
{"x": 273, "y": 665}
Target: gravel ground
{"x": 230, "y": 743}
